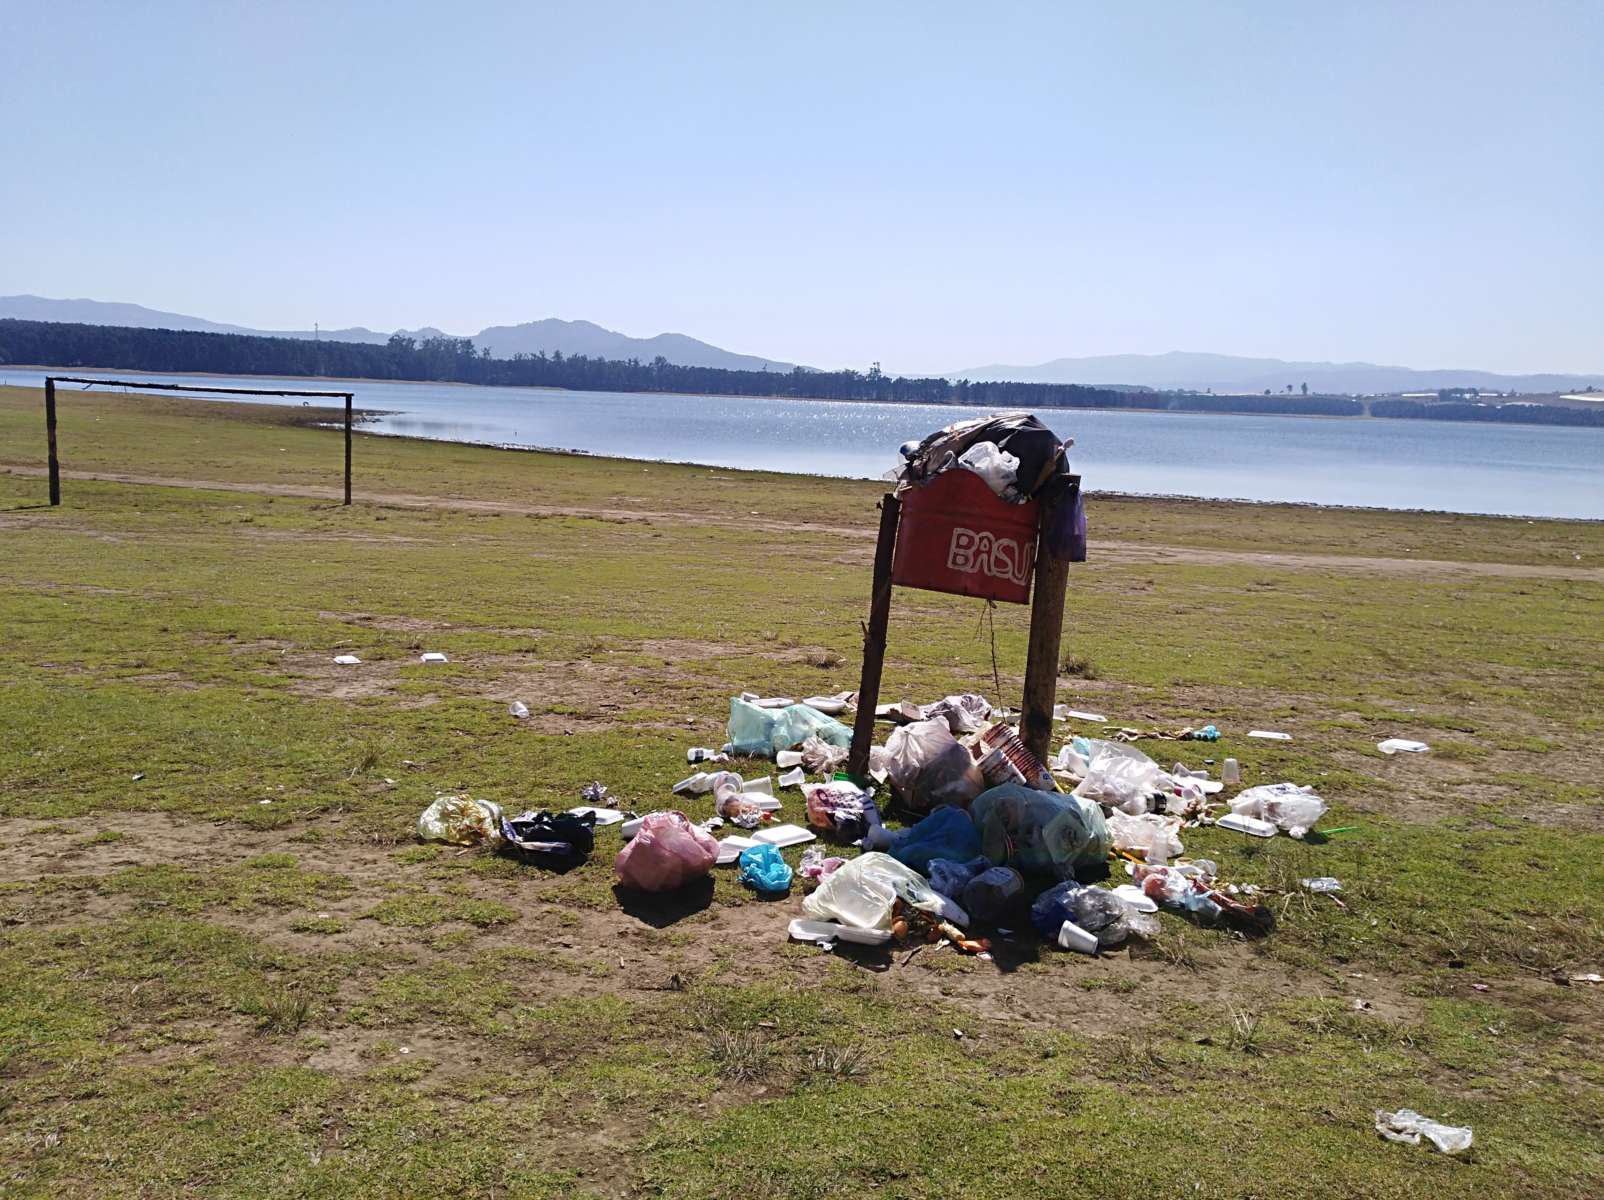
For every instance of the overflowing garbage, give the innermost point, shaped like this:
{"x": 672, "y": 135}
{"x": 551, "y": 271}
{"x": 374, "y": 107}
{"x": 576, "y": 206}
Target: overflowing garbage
{"x": 956, "y": 826}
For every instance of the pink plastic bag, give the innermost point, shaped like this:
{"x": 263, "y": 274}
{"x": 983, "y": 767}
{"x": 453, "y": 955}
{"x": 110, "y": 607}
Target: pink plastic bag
{"x": 667, "y": 852}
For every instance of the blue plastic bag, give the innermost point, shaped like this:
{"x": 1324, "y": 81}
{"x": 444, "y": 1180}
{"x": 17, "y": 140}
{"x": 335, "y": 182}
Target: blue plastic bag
{"x": 1096, "y": 910}
{"x": 950, "y": 878}
{"x": 765, "y": 731}
{"x": 946, "y": 833}
{"x": 763, "y": 868}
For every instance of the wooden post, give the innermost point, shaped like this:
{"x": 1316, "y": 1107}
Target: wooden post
{"x": 348, "y": 447}
{"x": 50, "y": 440}
{"x": 874, "y": 639}
{"x": 1046, "y": 632}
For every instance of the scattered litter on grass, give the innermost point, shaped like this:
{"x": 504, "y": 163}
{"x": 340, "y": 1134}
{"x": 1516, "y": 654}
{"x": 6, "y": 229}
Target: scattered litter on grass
{"x": 1402, "y": 746}
{"x": 518, "y": 709}
{"x": 1590, "y": 977}
{"x": 1323, "y": 886}
{"x": 784, "y": 835}
{"x": 348, "y": 660}
{"x": 433, "y": 656}
{"x": 1285, "y": 806}
{"x": 1269, "y": 735}
{"x": 1406, "y": 1125}
{"x": 138, "y": 775}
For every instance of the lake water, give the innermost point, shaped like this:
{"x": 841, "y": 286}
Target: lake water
{"x": 1534, "y": 471}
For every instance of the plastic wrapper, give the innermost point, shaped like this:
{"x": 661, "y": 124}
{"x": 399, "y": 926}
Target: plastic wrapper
{"x": 1096, "y": 910}
{"x": 762, "y": 868}
{"x": 864, "y": 891}
{"x": 964, "y": 714}
{"x": 667, "y": 852}
{"x": 1406, "y": 1125}
{"x": 816, "y": 865}
{"x": 837, "y": 808}
{"x": 1150, "y": 835}
{"x": 822, "y": 758}
{"x": 1288, "y": 807}
{"x": 462, "y": 821}
{"x": 946, "y": 833}
{"x": 928, "y": 767}
{"x": 766, "y": 731}
{"x": 1040, "y": 833}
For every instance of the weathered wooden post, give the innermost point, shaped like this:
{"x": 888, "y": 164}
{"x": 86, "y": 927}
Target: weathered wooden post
{"x": 348, "y": 447}
{"x": 50, "y": 439}
{"x": 874, "y": 639}
{"x": 1041, "y": 655}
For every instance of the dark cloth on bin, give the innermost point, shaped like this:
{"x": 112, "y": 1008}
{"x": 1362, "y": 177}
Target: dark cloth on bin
{"x": 1042, "y": 466}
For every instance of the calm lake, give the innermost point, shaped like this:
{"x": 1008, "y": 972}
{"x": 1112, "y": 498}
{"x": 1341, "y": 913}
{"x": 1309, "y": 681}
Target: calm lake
{"x": 1531, "y": 471}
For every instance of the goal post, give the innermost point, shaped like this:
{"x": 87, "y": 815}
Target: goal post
{"x": 146, "y": 385}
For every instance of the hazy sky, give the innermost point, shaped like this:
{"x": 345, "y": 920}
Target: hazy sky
{"x": 935, "y": 185}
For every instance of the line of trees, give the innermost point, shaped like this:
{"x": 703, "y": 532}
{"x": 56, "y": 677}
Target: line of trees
{"x": 456, "y": 360}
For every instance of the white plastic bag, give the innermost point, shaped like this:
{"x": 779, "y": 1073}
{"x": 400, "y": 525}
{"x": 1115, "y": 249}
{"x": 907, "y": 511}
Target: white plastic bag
{"x": 995, "y": 465}
{"x": 1154, "y": 837}
{"x": 863, "y": 892}
{"x": 1406, "y": 1125}
{"x": 1122, "y": 777}
{"x": 1288, "y": 807}
{"x": 928, "y": 767}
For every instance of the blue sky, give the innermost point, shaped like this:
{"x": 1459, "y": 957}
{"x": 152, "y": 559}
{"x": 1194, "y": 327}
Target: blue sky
{"x": 933, "y": 185}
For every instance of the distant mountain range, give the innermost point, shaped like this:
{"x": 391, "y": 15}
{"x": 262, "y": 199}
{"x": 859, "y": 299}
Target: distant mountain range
{"x": 1228, "y": 374}
{"x": 503, "y": 341}
{"x": 1176, "y": 371}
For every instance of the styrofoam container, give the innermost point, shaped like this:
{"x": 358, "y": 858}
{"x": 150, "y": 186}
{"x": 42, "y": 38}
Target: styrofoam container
{"x": 604, "y": 816}
{"x": 434, "y": 656}
{"x": 828, "y": 705}
{"x": 348, "y": 660}
{"x": 804, "y": 930}
{"x": 1060, "y": 713}
{"x": 1269, "y": 735}
{"x": 785, "y": 835}
{"x": 774, "y": 702}
{"x": 1251, "y": 825}
{"x": 729, "y": 849}
{"x": 1136, "y": 898}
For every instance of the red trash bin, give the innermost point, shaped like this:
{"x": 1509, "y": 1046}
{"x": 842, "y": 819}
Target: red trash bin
{"x": 956, "y": 536}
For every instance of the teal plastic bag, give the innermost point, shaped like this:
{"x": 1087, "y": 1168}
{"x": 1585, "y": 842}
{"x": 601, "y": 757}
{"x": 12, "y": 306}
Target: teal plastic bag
{"x": 766, "y": 731}
{"x": 763, "y": 868}
{"x": 1040, "y": 833}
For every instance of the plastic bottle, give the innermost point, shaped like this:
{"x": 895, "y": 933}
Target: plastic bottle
{"x": 697, "y": 754}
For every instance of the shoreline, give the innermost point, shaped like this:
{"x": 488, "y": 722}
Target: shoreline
{"x": 989, "y": 408}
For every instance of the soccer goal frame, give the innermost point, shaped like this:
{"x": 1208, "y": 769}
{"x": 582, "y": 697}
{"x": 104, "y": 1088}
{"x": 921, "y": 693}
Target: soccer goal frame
{"x": 146, "y": 385}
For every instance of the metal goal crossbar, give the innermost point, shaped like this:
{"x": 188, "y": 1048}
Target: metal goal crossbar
{"x": 146, "y": 385}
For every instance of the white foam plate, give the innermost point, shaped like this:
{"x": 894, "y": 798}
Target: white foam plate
{"x": 828, "y": 705}
{"x": 804, "y": 930}
{"x": 1074, "y": 714}
{"x": 1270, "y": 735}
{"x": 1136, "y": 898}
{"x": 1390, "y": 746}
{"x": 729, "y": 849}
{"x": 604, "y": 816}
{"x": 774, "y": 702}
{"x": 785, "y": 835}
{"x": 348, "y": 660}
{"x": 434, "y": 656}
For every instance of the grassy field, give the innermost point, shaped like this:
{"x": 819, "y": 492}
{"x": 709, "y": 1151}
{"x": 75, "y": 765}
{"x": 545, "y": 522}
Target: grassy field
{"x": 228, "y": 969}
